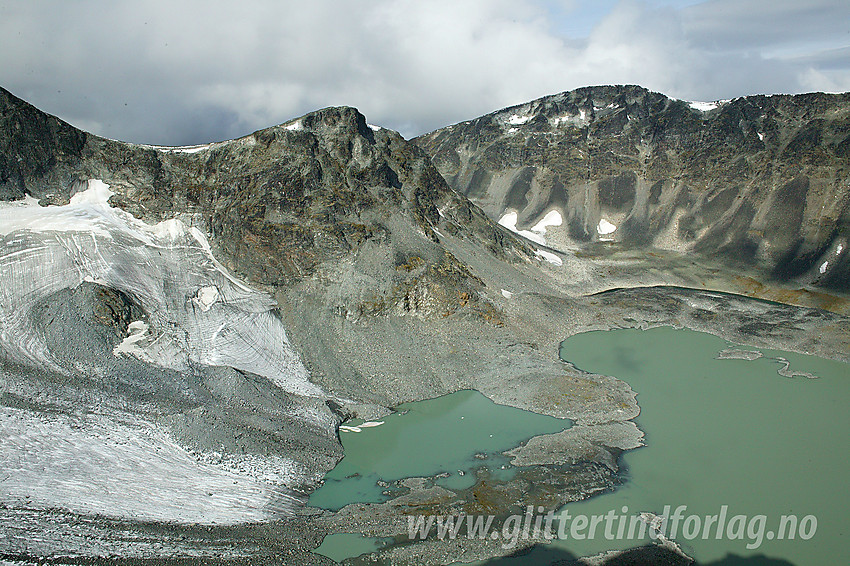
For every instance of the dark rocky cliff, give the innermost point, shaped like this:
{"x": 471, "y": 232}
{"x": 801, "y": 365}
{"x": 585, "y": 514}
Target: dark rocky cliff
{"x": 277, "y": 203}
{"x": 758, "y": 181}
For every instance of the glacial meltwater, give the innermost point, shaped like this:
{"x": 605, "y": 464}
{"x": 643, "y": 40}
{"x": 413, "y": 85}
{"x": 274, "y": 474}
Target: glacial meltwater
{"x": 450, "y": 435}
{"x": 725, "y": 434}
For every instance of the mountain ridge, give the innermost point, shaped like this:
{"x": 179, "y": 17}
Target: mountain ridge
{"x": 757, "y": 180}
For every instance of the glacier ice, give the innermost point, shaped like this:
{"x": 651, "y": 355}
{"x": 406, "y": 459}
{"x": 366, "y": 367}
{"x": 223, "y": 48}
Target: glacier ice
{"x": 98, "y": 464}
{"x": 198, "y": 312}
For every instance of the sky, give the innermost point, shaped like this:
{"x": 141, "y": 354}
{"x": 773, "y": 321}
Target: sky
{"x": 196, "y": 71}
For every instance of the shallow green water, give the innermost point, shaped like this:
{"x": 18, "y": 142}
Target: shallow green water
{"x": 427, "y": 438}
{"x": 340, "y": 546}
{"x": 726, "y": 432}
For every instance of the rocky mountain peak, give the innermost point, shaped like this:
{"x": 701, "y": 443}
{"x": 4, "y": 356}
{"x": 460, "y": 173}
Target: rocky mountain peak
{"x": 757, "y": 181}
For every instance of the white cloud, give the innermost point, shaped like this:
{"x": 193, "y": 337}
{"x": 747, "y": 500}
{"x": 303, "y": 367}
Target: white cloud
{"x": 193, "y": 72}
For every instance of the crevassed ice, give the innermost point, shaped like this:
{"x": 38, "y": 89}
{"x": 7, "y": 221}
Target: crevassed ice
{"x": 197, "y": 310}
{"x": 97, "y": 464}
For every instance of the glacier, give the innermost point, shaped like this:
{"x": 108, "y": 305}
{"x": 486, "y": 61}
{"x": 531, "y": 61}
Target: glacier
{"x": 197, "y": 311}
{"x": 83, "y": 436}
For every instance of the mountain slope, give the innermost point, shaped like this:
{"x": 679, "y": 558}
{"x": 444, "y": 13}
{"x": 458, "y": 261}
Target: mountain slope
{"x": 757, "y": 182}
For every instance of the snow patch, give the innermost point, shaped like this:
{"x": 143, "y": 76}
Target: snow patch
{"x": 519, "y": 119}
{"x": 207, "y": 296}
{"x": 507, "y": 294}
{"x": 171, "y": 229}
{"x": 823, "y": 267}
{"x": 552, "y": 218}
{"x": 374, "y": 128}
{"x": 604, "y": 227}
{"x": 704, "y": 106}
{"x": 509, "y": 219}
{"x": 189, "y": 148}
{"x": 761, "y": 136}
{"x": 578, "y": 120}
{"x": 180, "y": 148}
{"x": 138, "y": 330}
{"x": 548, "y": 256}
{"x": 360, "y": 427}
{"x": 294, "y": 126}
{"x": 97, "y": 193}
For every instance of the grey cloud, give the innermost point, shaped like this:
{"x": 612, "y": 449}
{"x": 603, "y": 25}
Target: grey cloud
{"x": 190, "y": 72}
{"x": 766, "y": 25}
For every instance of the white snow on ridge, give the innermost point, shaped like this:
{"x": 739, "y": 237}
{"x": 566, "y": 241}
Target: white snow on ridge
{"x": 190, "y": 148}
{"x": 707, "y": 106}
{"x": 704, "y": 106}
{"x": 295, "y": 126}
{"x": 179, "y": 148}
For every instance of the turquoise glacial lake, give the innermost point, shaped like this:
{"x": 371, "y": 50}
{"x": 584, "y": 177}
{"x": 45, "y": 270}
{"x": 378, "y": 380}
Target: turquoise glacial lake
{"x": 726, "y": 432}
{"x": 450, "y": 435}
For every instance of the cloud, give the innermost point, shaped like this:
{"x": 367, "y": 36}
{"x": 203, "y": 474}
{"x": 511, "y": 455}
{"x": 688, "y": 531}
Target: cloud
{"x": 189, "y": 72}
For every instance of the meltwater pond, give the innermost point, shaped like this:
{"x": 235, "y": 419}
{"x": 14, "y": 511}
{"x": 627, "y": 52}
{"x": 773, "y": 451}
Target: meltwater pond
{"x": 451, "y": 435}
{"x": 726, "y": 432}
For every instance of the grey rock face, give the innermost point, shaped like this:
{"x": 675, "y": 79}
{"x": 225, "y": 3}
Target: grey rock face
{"x": 757, "y": 181}
{"x": 35, "y": 148}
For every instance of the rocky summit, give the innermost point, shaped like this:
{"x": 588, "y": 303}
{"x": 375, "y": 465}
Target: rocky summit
{"x": 183, "y": 330}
